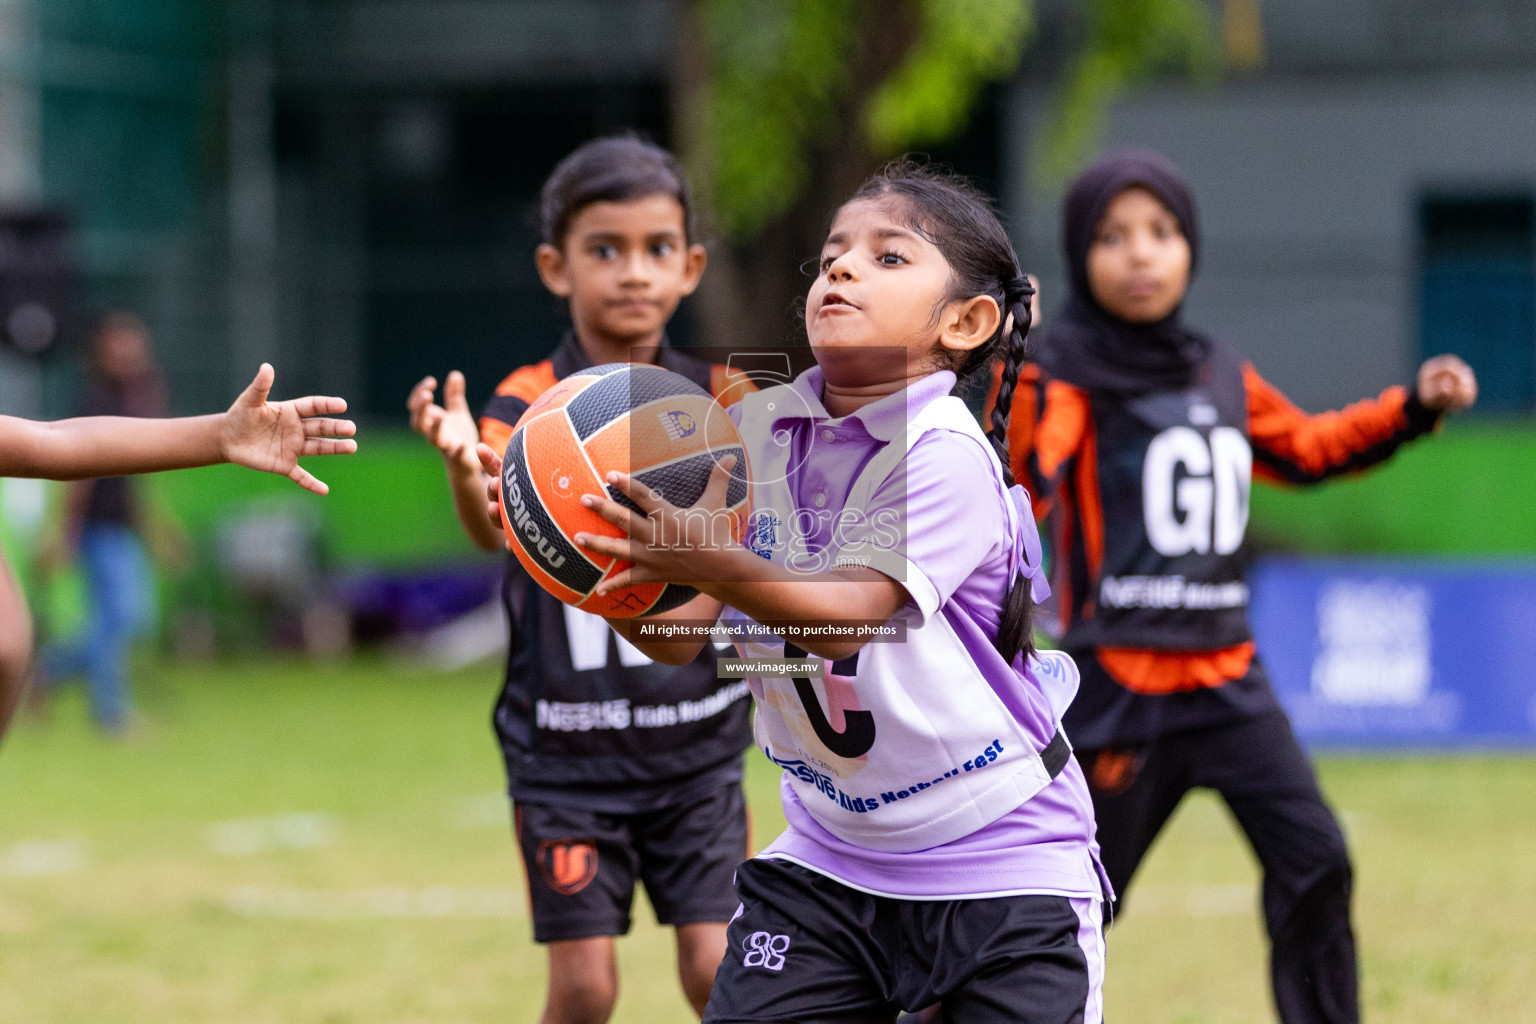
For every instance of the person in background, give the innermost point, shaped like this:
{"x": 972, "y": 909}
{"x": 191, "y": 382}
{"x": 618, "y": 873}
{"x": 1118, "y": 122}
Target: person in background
{"x": 103, "y": 528}
{"x": 598, "y": 809}
{"x": 1147, "y": 435}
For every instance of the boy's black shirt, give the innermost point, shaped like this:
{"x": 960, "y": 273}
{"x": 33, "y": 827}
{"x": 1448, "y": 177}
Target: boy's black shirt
{"x": 593, "y": 737}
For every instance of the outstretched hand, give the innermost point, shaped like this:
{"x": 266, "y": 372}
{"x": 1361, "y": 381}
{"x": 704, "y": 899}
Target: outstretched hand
{"x": 451, "y": 426}
{"x": 1446, "y": 384}
{"x": 271, "y": 436}
{"x": 664, "y": 543}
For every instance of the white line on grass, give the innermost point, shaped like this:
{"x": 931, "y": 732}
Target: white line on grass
{"x": 486, "y": 811}
{"x": 246, "y": 836}
{"x": 1219, "y": 900}
{"x": 1193, "y": 900}
{"x": 332, "y": 904}
{"x": 33, "y": 857}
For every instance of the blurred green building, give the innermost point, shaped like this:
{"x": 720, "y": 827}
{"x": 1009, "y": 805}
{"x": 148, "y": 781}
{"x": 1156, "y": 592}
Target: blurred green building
{"x": 346, "y": 187}
{"x": 341, "y": 187}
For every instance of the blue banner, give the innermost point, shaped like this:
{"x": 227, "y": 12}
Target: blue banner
{"x": 1400, "y": 653}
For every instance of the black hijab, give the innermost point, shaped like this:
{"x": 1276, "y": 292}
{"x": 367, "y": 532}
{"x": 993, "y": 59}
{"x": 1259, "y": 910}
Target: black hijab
{"x": 1084, "y": 344}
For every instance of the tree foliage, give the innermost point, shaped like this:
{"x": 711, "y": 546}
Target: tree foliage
{"x": 781, "y": 73}
{"x": 777, "y": 71}
{"x": 1127, "y": 41}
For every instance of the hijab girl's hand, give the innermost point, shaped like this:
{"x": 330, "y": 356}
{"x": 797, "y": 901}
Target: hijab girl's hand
{"x": 1446, "y": 384}
{"x": 271, "y": 436}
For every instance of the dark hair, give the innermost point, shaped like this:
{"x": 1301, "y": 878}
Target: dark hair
{"x": 114, "y": 320}
{"x": 962, "y": 222}
{"x": 143, "y": 394}
{"x": 610, "y": 170}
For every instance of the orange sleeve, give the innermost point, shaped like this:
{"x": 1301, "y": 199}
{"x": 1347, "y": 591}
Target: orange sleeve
{"x": 1058, "y": 436}
{"x": 517, "y": 391}
{"x": 729, "y": 386}
{"x": 1160, "y": 672}
{"x": 1291, "y": 446}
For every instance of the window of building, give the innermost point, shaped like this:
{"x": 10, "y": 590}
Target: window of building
{"x": 1478, "y": 292}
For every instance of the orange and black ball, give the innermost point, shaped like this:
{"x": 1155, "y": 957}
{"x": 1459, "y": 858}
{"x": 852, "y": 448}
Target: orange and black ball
{"x": 655, "y": 425}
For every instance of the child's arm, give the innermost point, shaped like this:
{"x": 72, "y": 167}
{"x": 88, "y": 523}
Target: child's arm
{"x": 1056, "y": 439}
{"x": 1290, "y": 446}
{"x": 667, "y": 545}
{"x": 725, "y": 573}
{"x": 452, "y": 430}
{"x": 696, "y": 612}
{"x": 255, "y": 433}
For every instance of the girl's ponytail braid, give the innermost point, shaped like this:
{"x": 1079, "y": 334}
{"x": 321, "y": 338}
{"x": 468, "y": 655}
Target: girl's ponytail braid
{"x": 1015, "y": 634}
{"x": 1017, "y": 293}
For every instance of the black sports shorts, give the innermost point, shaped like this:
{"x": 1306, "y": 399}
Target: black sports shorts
{"x": 582, "y": 866}
{"x": 808, "y": 949}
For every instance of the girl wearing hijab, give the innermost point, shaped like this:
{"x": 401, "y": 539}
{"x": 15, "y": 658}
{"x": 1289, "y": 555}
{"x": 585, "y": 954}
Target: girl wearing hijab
{"x": 1145, "y": 435}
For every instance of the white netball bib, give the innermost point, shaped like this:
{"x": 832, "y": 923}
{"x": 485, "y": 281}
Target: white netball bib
{"x": 906, "y": 746}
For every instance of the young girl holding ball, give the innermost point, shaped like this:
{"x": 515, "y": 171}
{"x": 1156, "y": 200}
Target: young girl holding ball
{"x": 940, "y": 840}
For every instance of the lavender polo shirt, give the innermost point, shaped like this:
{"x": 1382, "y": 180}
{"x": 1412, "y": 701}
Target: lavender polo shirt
{"x": 957, "y": 546}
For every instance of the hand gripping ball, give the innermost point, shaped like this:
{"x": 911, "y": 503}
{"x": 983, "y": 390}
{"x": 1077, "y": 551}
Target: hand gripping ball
{"x": 659, "y": 427}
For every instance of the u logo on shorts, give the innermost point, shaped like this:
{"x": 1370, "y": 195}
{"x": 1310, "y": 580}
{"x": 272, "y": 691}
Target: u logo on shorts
{"x": 567, "y": 865}
{"x": 765, "y": 950}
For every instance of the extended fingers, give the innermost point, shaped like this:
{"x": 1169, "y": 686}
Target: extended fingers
{"x": 421, "y": 394}
{"x": 257, "y": 391}
{"x": 625, "y": 548}
{"x": 453, "y": 393}
{"x": 638, "y": 526}
{"x": 490, "y": 459}
{"x": 317, "y": 405}
{"x": 648, "y": 500}
{"x": 329, "y": 446}
{"x": 619, "y": 580}
{"x": 324, "y": 426}
{"x": 491, "y": 462}
{"x": 301, "y": 476}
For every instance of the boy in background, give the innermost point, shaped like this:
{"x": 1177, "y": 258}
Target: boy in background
{"x": 595, "y": 808}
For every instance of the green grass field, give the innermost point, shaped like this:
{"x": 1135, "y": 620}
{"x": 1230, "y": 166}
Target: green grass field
{"x": 327, "y": 844}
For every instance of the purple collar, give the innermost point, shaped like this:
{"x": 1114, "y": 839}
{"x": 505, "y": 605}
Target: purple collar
{"x": 884, "y": 420}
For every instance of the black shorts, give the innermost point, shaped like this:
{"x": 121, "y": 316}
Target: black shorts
{"x": 807, "y": 949}
{"x": 582, "y": 865}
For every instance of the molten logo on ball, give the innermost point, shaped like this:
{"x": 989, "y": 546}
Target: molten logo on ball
{"x": 512, "y": 496}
